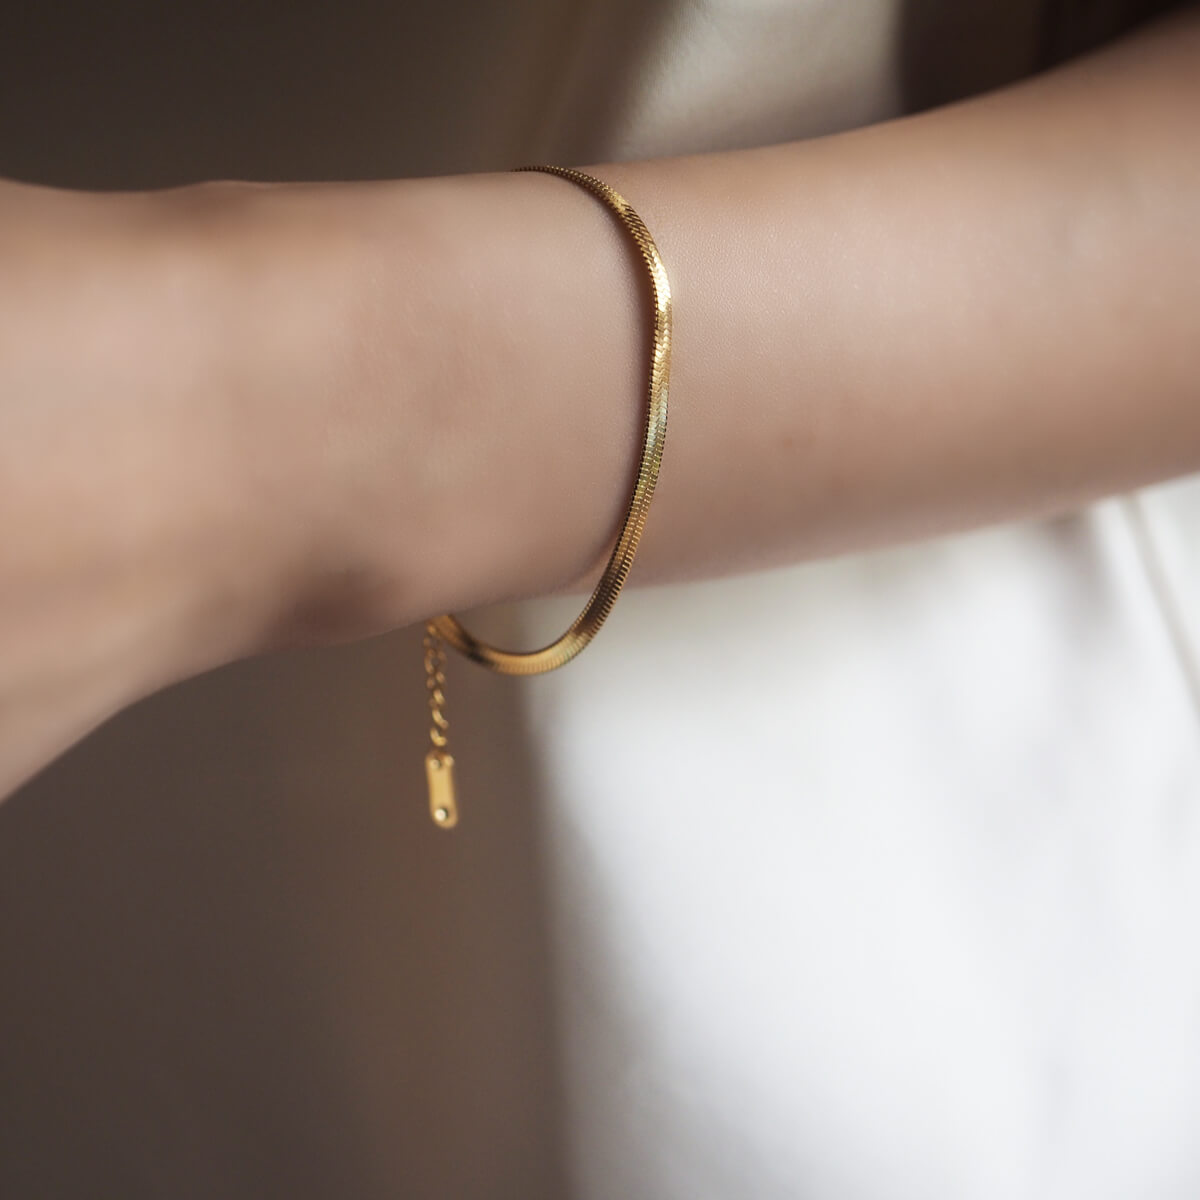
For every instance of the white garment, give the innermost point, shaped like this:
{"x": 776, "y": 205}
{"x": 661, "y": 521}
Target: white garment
{"x": 881, "y": 877}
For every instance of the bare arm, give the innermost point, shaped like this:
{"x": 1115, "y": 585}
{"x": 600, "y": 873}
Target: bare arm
{"x": 425, "y": 395}
{"x": 987, "y": 311}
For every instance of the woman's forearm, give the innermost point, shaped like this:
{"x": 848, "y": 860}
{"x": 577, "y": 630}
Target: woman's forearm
{"x": 980, "y": 313}
{"x": 239, "y": 416}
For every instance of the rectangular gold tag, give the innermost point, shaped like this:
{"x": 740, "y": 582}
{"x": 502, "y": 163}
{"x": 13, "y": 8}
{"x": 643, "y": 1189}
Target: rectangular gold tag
{"x": 439, "y": 772}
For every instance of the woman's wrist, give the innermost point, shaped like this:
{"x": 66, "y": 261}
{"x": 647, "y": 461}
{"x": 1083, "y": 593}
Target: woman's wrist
{"x": 129, "y": 558}
{"x": 434, "y": 388}
{"x": 271, "y": 286}
{"x": 204, "y": 349}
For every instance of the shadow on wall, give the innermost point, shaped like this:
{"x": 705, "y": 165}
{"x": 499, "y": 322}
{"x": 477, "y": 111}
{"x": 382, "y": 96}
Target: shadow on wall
{"x": 948, "y": 51}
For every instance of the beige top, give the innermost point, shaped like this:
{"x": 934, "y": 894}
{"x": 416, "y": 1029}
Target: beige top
{"x": 959, "y": 963}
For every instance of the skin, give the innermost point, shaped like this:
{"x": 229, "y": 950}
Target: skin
{"x": 237, "y": 417}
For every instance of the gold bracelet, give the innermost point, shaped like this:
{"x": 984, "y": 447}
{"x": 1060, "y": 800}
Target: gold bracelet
{"x": 439, "y": 762}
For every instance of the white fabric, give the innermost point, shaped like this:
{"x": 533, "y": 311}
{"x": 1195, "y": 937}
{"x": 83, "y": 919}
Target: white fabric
{"x": 881, "y": 877}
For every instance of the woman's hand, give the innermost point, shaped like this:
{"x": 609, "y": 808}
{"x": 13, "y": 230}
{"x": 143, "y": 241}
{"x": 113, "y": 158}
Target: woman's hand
{"x": 136, "y": 539}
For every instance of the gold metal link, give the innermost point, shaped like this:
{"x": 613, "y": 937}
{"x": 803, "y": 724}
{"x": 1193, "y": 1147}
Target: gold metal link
{"x": 439, "y": 762}
{"x": 435, "y": 679}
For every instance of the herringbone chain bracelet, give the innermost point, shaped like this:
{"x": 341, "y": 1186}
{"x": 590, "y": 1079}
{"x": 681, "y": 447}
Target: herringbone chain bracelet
{"x": 439, "y": 762}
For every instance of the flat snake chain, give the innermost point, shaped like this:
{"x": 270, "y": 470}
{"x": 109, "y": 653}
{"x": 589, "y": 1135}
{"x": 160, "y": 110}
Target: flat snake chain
{"x": 448, "y": 628}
